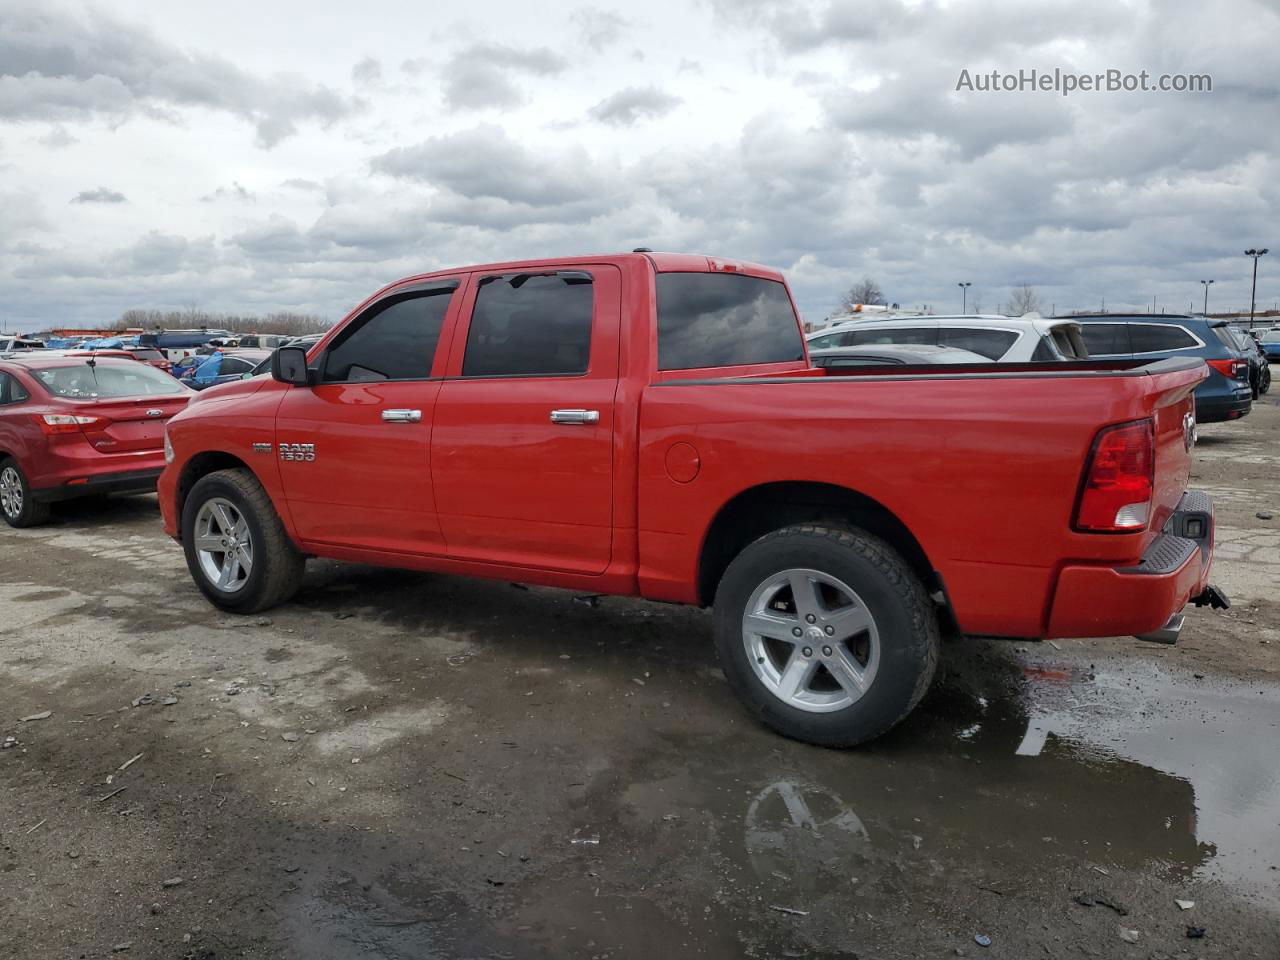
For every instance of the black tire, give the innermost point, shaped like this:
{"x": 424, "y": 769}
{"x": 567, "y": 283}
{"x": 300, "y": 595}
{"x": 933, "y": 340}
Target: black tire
{"x": 892, "y": 594}
{"x": 277, "y": 569}
{"x": 1264, "y": 382}
{"x": 31, "y": 513}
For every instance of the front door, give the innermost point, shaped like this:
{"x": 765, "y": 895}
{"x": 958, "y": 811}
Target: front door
{"x": 355, "y": 448}
{"x": 522, "y": 449}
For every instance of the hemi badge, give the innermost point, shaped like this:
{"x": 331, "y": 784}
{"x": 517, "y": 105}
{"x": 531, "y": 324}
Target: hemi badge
{"x": 262, "y": 448}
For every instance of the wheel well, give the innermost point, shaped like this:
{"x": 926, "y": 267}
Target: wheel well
{"x": 201, "y": 465}
{"x": 760, "y": 510}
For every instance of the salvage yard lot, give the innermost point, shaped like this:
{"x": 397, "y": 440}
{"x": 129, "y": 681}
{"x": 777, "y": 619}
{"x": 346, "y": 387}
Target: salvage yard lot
{"x": 409, "y": 765}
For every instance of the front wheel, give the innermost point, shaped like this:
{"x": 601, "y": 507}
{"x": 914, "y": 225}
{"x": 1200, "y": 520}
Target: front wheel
{"x": 826, "y": 634}
{"x": 237, "y": 550}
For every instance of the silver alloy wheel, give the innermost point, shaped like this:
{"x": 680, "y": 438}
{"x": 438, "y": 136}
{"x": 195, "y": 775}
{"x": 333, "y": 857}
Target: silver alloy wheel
{"x": 223, "y": 544}
{"x": 10, "y": 492}
{"x": 811, "y": 640}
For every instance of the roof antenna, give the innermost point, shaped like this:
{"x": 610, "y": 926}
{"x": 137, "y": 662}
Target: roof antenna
{"x": 642, "y": 250}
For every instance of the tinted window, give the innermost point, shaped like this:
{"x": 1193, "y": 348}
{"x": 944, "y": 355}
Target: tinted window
{"x": 1105, "y": 339}
{"x": 395, "y": 340}
{"x": 992, "y": 344}
{"x": 235, "y": 365}
{"x": 530, "y": 325}
{"x": 918, "y": 335}
{"x": 8, "y": 389}
{"x": 128, "y": 379}
{"x": 1152, "y": 338}
{"x": 724, "y": 319}
{"x": 1044, "y": 352}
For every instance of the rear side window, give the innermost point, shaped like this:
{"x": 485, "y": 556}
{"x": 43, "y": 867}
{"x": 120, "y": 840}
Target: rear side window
{"x": 821, "y": 343}
{"x": 1154, "y": 338}
{"x": 145, "y": 353}
{"x": 913, "y": 335}
{"x": 10, "y": 390}
{"x": 232, "y": 365}
{"x": 528, "y": 325}
{"x": 395, "y": 339}
{"x": 1106, "y": 339}
{"x": 992, "y": 344}
{"x": 723, "y": 320}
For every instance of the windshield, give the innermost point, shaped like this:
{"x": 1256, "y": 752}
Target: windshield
{"x": 84, "y": 382}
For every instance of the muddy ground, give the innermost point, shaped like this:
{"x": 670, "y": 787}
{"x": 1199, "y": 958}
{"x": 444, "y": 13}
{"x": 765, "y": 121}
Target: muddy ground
{"x": 400, "y": 765}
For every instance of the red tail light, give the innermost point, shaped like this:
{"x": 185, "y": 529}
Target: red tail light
{"x": 1232, "y": 369}
{"x": 54, "y": 423}
{"x": 1118, "y": 480}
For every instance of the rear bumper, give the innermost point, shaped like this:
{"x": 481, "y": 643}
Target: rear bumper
{"x": 1215, "y": 409}
{"x": 128, "y": 481}
{"x": 1136, "y": 600}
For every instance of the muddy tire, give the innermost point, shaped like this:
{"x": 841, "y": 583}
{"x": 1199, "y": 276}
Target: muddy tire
{"x": 17, "y": 506}
{"x": 826, "y": 634}
{"x": 237, "y": 550}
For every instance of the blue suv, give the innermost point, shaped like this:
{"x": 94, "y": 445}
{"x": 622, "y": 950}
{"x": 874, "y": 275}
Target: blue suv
{"x": 1225, "y": 395}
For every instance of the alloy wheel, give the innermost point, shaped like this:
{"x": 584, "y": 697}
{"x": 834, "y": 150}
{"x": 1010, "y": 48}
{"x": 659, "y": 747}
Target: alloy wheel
{"x": 10, "y": 492}
{"x": 223, "y": 544}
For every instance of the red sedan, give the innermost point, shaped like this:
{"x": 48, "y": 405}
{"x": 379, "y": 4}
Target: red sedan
{"x": 75, "y": 426}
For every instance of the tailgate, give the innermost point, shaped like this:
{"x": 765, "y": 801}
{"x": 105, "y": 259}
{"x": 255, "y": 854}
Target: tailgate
{"x": 132, "y": 424}
{"x": 1173, "y": 412}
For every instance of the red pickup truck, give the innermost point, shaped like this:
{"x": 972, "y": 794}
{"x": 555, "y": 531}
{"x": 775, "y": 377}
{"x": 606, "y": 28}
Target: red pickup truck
{"x": 648, "y": 424}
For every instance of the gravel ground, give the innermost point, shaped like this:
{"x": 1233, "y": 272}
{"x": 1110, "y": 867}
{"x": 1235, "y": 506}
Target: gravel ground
{"x": 401, "y": 765}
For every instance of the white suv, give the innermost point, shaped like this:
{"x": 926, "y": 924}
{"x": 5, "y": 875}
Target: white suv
{"x": 1001, "y": 339}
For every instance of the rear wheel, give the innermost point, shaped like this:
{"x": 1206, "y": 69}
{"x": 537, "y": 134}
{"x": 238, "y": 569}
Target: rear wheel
{"x": 825, "y": 634}
{"x": 236, "y": 547}
{"x": 19, "y": 507}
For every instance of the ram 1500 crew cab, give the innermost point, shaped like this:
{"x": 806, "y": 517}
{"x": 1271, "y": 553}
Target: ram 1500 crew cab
{"x": 649, "y": 424}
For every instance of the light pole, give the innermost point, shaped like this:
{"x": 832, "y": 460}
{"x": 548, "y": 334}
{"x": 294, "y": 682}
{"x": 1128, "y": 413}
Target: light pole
{"x": 964, "y": 296}
{"x": 1206, "y": 283}
{"x": 1253, "y": 297}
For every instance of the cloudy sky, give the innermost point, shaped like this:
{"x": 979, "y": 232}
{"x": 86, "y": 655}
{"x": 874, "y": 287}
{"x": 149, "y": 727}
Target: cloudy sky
{"x": 241, "y": 156}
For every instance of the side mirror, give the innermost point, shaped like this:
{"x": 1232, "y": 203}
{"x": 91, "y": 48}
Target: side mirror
{"x": 289, "y": 365}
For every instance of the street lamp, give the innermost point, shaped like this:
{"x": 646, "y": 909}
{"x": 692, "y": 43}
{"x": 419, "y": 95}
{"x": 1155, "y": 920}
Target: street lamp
{"x": 964, "y": 296}
{"x": 1253, "y": 297}
{"x": 1206, "y": 295}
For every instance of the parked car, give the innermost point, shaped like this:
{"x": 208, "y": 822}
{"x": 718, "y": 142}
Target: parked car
{"x": 223, "y": 367}
{"x": 263, "y": 341}
{"x": 153, "y": 358}
{"x": 73, "y": 426}
{"x": 891, "y": 353}
{"x": 1224, "y": 395}
{"x": 18, "y": 344}
{"x": 1000, "y": 339}
{"x": 1270, "y": 343}
{"x": 649, "y": 424}
{"x": 1251, "y": 350}
{"x": 178, "y": 344}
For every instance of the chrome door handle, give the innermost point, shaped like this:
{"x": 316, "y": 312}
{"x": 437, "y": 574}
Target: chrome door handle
{"x": 402, "y": 416}
{"x": 575, "y": 416}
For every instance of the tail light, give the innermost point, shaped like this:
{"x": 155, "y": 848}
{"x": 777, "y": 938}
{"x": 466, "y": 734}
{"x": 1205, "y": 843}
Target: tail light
{"x": 1118, "y": 480}
{"x": 54, "y": 423}
{"x": 1232, "y": 369}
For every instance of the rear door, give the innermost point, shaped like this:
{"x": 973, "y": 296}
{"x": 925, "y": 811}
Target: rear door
{"x": 355, "y": 448}
{"x": 522, "y": 449}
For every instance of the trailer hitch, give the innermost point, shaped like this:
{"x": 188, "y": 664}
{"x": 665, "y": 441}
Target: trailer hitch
{"x": 1213, "y": 598}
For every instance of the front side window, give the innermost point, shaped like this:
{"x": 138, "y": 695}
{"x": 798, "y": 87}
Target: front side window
{"x": 1106, "y": 339}
{"x": 1157, "y": 338}
{"x": 395, "y": 339}
{"x": 992, "y": 344}
{"x": 527, "y": 325}
{"x": 86, "y": 382}
{"x": 724, "y": 320}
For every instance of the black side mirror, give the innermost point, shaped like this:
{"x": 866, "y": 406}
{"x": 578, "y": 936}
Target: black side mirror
{"x": 289, "y": 365}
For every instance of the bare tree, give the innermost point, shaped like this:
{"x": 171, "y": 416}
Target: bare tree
{"x": 283, "y": 322}
{"x": 1024, "y": 299}
{"x": 865, "y": 290}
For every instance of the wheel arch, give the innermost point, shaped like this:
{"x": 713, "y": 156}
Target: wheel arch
{"x": 201, "y": 465}
{"x": 758, "y": 510}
